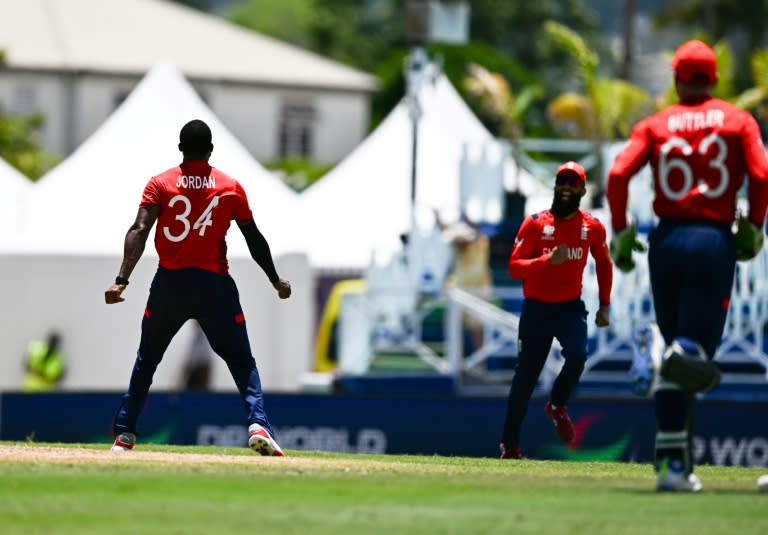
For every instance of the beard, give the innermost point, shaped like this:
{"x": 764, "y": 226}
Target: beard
{"x": 562, "y": 206}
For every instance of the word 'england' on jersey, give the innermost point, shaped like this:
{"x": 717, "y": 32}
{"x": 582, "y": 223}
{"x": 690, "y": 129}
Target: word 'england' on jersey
{"x": 196, "y": 182}
{"x": 574, "y": 253}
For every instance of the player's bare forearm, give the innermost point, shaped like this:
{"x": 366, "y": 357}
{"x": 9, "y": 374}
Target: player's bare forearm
{"x": 135, "y": 242}
{"x": 259, "y": 249}
{"x": 261, "y": 253}
{"x": 133, "y": 248}
{"x": 136, "y": 239}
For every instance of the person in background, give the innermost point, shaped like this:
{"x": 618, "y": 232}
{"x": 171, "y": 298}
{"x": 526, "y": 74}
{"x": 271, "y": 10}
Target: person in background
{"x": 44, "y": 364}
{"x": 196, "y": 373}
{"x": 470, "y": 271}
{"x": 549, "y": 255}
{"x": 194, "y": 204}
{"x": 699, "y": 151}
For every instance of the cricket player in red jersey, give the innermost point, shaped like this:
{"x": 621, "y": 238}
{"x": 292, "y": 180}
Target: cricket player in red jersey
{"x": 549, "y": 255}
{"x": 193, "y": 205}
{"x": 699, "y": 151}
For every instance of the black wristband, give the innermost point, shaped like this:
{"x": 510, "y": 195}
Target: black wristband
{"x": 121, "y": 280}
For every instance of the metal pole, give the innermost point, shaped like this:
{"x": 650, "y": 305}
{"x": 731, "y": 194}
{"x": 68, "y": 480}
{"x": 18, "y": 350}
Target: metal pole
{"x": 414, "y": 158}
{"x": 415, "y": 69}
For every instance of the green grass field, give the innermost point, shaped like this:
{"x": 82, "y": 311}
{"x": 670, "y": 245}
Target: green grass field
{"x": 86, "y": 489}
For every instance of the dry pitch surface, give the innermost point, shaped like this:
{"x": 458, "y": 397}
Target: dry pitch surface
{"x": 35, "y": 453}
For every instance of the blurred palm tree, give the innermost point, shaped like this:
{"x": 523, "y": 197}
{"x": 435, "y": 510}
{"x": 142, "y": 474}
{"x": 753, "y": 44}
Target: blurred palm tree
{"x": 756, "y": 98}
{"x": 602, "y": 108}
{"x": 493, "y": 94}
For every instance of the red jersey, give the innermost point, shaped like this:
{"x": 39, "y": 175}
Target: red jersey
{"x": 699, "y": 154}
{"x": 197, "y": 204}
{"x": 539, "y": 235}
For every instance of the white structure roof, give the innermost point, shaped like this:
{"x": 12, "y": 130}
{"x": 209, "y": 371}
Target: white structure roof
{"x": 364, "y": 203}
{"x": 86, "y": 204}
{"x": 129, "y": 36}
{"x": 16, "y": 189}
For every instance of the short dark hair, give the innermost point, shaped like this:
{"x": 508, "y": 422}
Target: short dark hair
{"x": 195, "y": 138}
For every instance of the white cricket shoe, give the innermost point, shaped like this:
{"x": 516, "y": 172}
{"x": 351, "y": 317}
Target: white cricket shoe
{"x": 124, "y": 442}
{"x": 259, "y": 440}
{"x": 672, "y": 478}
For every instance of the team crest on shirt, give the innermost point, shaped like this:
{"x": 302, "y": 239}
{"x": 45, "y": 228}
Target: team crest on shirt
{"x": 549, "y": 232}
{"x": 584, "y": 231}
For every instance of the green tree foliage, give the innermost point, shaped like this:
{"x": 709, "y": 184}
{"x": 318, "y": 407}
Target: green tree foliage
{"x": 505, "y": 37}
{"x": 18, "y": 145}
{"x": 287, "y": 20}
{"x": 349, "y": 31}
{"x": 516, "y": 29}
{"x": 495, "y": 97}
{"x": 741, "y": 22}
{"x": 299, "y": 173}
{"x": 202, "y": 5}
{"x": 455, "y": 60}
{"x": 603, "y": 108}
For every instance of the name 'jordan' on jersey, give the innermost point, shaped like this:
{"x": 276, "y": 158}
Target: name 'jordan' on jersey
{"x": 699, "y": 154}
{"x": 197, "y": 204}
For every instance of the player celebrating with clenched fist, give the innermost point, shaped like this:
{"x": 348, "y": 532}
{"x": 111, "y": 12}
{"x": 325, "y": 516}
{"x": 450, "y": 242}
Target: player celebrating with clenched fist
{"x": 194, "y": 204}
{"x": 549, "y": 256}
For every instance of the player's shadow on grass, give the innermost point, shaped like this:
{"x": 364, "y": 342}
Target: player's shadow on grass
{"x": 708, "y": 491}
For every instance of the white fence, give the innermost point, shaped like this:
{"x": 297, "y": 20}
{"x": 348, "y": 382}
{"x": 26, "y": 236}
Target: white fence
{"x": 389, "y": 318}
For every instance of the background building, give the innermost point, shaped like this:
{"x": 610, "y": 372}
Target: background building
{"x": 74, "y": 61}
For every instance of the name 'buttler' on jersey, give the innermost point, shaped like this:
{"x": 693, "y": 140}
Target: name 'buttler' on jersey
{"x": 539, "y": 234}
{"x": 699, "y": 154}
{"x": 197, "y": 204}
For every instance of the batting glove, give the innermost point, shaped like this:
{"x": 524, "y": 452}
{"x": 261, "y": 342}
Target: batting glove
{"x": 623, "y": 243}
{"x": 749, "y": 239}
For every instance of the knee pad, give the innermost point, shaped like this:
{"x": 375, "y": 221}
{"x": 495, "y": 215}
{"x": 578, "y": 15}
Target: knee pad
{"x": 686, "y": 363}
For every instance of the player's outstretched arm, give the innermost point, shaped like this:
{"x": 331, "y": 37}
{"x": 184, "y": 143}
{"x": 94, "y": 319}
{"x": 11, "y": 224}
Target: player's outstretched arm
{"x": 260, "y": 252}
{"x": 133, "y": 248}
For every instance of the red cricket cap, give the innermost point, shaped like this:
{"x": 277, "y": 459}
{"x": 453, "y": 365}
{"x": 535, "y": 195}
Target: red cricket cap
{"x": 574, "y": 169}
{"x": 694, "y": 57}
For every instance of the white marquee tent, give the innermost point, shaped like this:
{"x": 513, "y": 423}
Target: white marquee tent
{"x": 56, "y": 269}
{"x": 86, "y": 204}
{"x": 364, "y": 203}
{"x": 16, "y": 189}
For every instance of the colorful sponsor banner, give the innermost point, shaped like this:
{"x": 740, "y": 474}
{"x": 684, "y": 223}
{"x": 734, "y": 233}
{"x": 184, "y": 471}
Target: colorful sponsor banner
{"x": 726, "y": 432}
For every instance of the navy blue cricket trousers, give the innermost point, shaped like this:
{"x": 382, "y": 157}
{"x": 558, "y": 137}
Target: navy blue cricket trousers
{"x": 540, "y": 323}
{"x": 176, "y": 296}
{"x": 692, "y": 266}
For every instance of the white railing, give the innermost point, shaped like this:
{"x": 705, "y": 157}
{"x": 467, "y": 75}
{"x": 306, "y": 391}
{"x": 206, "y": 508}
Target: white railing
{"x": 632, "y": 306}
{"x": 389, "y": 318}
